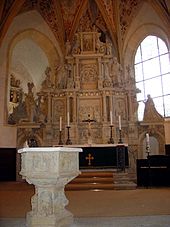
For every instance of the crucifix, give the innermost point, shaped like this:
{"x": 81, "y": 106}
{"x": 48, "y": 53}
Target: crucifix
{"x": 89, "y": 158}
{"x": 89, "y": 121}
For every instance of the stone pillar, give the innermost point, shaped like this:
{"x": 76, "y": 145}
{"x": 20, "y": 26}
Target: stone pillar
{"x": 104, "y": 108}
{"x": 100, "y": 76}
{"x": 77, "y": 78}
{"x": 49, "y": 108}
{"x": 49, "y": 169}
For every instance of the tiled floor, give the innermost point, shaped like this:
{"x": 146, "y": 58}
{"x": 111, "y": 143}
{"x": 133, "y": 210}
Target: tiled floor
{"x": 136, "y": 221}
{"x": 112, "y": 208}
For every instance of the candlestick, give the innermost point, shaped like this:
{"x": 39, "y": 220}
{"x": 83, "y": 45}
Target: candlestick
{"x": 60, "y": 124}
{"x": 147, "y": 137}
{"x": 147, "y": 145}
{"x": 120, "y": 136}
{"x": 68, "y": 119}
{"x": 111, "y": 118}
{"x": 60, "y": 139}
{"x": 119, "y": 122}
{"x": 68, "y": 136}
{"x": 111, "y": 137}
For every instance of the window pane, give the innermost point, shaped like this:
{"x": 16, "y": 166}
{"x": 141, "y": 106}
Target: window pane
{"x": 141, "y": 111}
{"x": 166, "y": 83}
{"x": 138, "y": 72}
{"x": 159, "y": 105}
{"x": 167, "y": 105}
{"x": 165, "y": 63}
{"x": 162, "y": 47}
{"x": 140, "y": 96}
{"x": 138, "y": 56}
{"x": 153, "y": 87}
{"x": 151, "y": 68}
{"x": 149, "y": 47}
{"x": 152, "y": 74}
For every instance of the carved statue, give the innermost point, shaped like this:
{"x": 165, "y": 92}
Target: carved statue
{"x": 42, "y": 109}
{"x": 30, "y": 103}
{"x": 107, "y": 79}
{"x": 76, "y": 46}
{"x": 19, "y": 112}
{"x": 116, "y": 71}
{"x": 61, "y": 76}
{"x": 14, "y": 82}
{"x": 108, "y": 48}
{"x": 47, "y": 83}
{"x": 70, "y": 78}
{"x": 87, "y": 44}
{"x": 68, "y": 48}
{"x": 150, "y": 112}
{"x": 135, "y": 105}
{"x": 100, "y": 46}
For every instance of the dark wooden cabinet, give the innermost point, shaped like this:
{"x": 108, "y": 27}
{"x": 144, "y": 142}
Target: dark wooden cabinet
{"x": 7, "y": 164}
{"x": 154, "y": 171}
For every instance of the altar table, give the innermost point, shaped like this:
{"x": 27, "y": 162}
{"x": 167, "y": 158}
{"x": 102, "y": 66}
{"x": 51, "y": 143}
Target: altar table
{"x": 103, "y": 156}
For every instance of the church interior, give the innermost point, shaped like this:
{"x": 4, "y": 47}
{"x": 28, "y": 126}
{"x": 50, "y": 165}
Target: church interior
{"x": 92, "y": 74}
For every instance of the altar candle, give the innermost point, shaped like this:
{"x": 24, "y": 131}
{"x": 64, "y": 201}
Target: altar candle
{"x": 119, "y": 122}
{"x": 60, "y": 124}
{"x": 68, "y": 119}
{"x": 111, "y": 119}
{"x": 147, "y": 138}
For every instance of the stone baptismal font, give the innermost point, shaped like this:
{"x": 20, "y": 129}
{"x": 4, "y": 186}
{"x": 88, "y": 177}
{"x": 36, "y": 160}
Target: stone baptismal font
{"x": 49, "y": 169}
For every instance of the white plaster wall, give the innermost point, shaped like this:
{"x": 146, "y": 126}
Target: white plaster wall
{"x": 147, "y": 22}
{"x": 23, "y": 22}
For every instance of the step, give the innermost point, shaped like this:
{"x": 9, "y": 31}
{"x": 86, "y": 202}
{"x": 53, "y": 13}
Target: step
{"x": 125, "y": 186}
{"x": 92, "y": 180}
{"x": 96, "y": 174}
{"x": 89, "y": 186}
{"x": 101, "y": 180}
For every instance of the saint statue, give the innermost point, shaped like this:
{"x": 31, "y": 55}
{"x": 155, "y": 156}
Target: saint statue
{"x": 30, "y": 103}
{"x": 47, "y": 83}
{"x": 150, "y": 112}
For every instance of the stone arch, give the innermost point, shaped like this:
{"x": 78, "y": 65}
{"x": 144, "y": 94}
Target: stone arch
{"x": 33, "y": 26}
{"x": 155, "y": 134}
{"x": 45, "y": 55}
{"x": 41, "y": 40}
{"x": 20, "y": 142}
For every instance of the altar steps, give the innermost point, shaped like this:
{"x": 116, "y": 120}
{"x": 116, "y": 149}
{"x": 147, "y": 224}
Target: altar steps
{"x": 101, "y": 180}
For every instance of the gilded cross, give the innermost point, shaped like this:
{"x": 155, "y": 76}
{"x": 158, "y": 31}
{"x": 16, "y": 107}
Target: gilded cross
{"x": 89, "y": 158}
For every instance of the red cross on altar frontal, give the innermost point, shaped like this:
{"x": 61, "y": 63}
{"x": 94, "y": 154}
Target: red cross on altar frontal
{"x": 89, "y": 158}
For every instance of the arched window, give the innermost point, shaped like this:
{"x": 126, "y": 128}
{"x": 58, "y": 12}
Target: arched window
{"x": 152, "y": 74}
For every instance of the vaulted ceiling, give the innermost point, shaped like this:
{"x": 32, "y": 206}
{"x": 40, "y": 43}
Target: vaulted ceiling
{"x": 64, "y": 16}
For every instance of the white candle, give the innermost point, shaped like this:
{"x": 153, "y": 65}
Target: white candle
{"x": 60, "y": 124}
{"x": 119, "y": 122}
{"x": 147, "y": 138}
{"x": 68, "y": 119}
{"x": 111, "y": 119}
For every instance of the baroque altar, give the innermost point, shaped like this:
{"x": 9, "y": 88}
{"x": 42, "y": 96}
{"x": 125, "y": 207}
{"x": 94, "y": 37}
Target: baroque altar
{"x": 89, "y": 84}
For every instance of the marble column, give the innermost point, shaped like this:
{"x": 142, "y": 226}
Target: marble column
{"x": 49, "y": 169}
